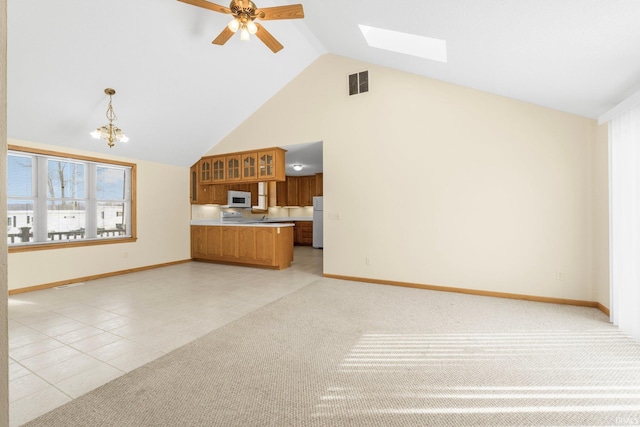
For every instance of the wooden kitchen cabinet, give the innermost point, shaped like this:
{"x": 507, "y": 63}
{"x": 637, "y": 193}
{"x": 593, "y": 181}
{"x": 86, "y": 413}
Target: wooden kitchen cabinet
{"x": 229, "y": 242}
{"x": 219, "y": 194}
{"x": 249, "y": 167}
{"x": 303, "y": 233}
{"x": 296, "y": 191}
{"x": 281, "y": 193}
{"x": 198, "y": 242}
{"x": 193, "y": 184}
{"x": 270, "y": 247}
{"x": 271, "y": 165}
{"x": 319, "y": 184}
{"x": 246, "y": 244}
{"x": 304, "y": 191}
{"x": 205, "y": 194}
{"x": 264, "y": 249}
{"x": 292, "y": 190}
{"x": 218, "y": 169}
{"x": 204, "y": 167}
{"x": 214, "y": 241}
{"x": 233, "y": 168}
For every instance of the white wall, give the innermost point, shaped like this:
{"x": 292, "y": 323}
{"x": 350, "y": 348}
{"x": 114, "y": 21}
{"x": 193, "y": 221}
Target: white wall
{"x": 600, "y": 219}
{"x": 163, "y": 213}
{"x": 444, "y": 185}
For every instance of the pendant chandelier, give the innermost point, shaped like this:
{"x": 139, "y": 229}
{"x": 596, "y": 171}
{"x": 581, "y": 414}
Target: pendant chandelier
{"x": 110, "y": 133}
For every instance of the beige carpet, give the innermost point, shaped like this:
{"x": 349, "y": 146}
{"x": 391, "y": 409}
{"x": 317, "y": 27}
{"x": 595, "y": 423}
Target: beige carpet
{"x": 338, "y": 353}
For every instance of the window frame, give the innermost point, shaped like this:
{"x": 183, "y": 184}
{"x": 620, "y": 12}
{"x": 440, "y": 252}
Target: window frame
{"x": 81, "y": 243}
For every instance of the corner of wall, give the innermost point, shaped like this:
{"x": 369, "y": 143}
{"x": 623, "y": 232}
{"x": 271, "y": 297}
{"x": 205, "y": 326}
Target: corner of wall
{"x": 4, "y": 337}
{"x": 600, "y": 214}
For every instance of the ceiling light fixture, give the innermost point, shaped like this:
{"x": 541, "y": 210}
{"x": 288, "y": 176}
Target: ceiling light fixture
{"x": 297, "y": 167}
{"x": 110, "y": 132}
{"x": 244, "y": 22}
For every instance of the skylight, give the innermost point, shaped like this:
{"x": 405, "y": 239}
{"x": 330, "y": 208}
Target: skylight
{"x": 408, "y": 44}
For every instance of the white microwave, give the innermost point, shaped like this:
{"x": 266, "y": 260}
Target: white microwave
{"x": 239, "y": 199}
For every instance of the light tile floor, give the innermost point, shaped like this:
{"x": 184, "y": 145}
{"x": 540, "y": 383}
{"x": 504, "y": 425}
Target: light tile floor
{"x": 64, "y": 342}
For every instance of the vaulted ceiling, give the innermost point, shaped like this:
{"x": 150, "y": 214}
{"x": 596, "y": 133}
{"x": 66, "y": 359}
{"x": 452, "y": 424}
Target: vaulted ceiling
{"x": 177, "y": 95}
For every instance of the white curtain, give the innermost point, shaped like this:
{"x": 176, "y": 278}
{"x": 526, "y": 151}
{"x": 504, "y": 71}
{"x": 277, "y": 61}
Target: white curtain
{"x": 624, "y": 220}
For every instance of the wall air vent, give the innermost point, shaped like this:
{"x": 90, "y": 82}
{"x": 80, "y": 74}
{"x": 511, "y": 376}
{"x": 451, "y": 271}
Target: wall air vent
{"x": 358, "y": 83}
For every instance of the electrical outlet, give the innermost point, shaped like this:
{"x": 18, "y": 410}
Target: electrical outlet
{"x": 560, "y": 275}
{"x": 126, "y": 254}
{"x": 334, "y": 216}
{"x": 367, "y": 260}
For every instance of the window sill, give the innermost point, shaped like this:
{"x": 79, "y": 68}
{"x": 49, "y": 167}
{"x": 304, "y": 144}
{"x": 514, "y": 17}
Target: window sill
{"x": 72, "y": 244}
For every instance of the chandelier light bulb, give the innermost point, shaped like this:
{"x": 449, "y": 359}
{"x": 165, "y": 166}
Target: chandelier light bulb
{"x": 252, "y": 27}
{"x": 110, "y": 132}
{"x": 234, "y": 25}
{"x": 244, "y": 33}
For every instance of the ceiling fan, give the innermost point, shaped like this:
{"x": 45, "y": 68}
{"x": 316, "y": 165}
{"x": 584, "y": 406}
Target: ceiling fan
{"x": 244, "y": 14}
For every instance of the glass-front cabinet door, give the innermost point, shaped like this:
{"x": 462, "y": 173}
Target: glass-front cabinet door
{"x": 217, "y": 167}
{"x": 194, "y": 183}
{"x": 249, "y": 169}
{"x": 205, "y": 170}
{"x": 233, "y": 168}
{"x": 266, "y": 162}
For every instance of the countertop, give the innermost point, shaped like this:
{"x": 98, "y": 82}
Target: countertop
{"x": 257, "y": 223}
{"x": 297, "y": 219}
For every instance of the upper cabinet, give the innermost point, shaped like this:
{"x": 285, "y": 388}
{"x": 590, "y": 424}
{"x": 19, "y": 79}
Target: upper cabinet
{"x": 233, "y": 167}
{"x": 193, "y": 183}
{"x": 247, "y": 166}
{"x": 319, "y": 184}
{"x": 218, "y": 168}
{"x": 271, "y": 165}
{"x": 298, "y": 190}
{"x": 204, "y": 166}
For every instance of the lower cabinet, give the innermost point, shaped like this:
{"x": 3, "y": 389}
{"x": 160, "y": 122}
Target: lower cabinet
{"x": 198, "y": 242}
{"x": 259, "y": 246}
{"x": 303, "y": 233}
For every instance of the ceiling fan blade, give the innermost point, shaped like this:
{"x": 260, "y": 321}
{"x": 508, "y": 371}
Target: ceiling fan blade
{"x": 208, "y": 5}
{"x": 224, "y": 36}
{"x": 268, "y": 39}
{"x": 293, "y": 11}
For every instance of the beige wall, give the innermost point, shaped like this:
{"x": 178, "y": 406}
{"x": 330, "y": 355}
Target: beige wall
{"x": 163, "y": 213}
{"x": 444, "y": 185}
{"x": 4, "y": 338}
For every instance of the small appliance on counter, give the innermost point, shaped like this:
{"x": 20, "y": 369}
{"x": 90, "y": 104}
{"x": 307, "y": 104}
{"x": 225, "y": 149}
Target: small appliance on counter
{"x": 238, "y": 199}
{"x": 230, "y": 216}
{"x": 317, "y": 222}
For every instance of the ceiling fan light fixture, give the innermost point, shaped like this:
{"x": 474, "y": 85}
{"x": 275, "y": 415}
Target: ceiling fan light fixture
{"x": 252, "y": 27}
{"x": 244, "y": 33}
{"x": 234, "y": 25}
{"x": 244, "y": 13}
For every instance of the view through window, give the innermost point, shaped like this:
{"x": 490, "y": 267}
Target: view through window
{"x": 54, "y": 199}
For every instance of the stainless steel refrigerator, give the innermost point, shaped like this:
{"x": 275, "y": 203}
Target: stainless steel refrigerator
{"x": 317, "y": 222}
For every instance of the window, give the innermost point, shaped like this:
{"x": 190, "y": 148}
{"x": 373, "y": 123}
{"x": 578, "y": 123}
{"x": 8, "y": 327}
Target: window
{"x": 54, "y": 200}
{"x": 262, "y": 197}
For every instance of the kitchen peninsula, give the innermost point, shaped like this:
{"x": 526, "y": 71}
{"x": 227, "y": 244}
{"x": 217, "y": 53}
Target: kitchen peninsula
{"x": 259, "y": 244}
